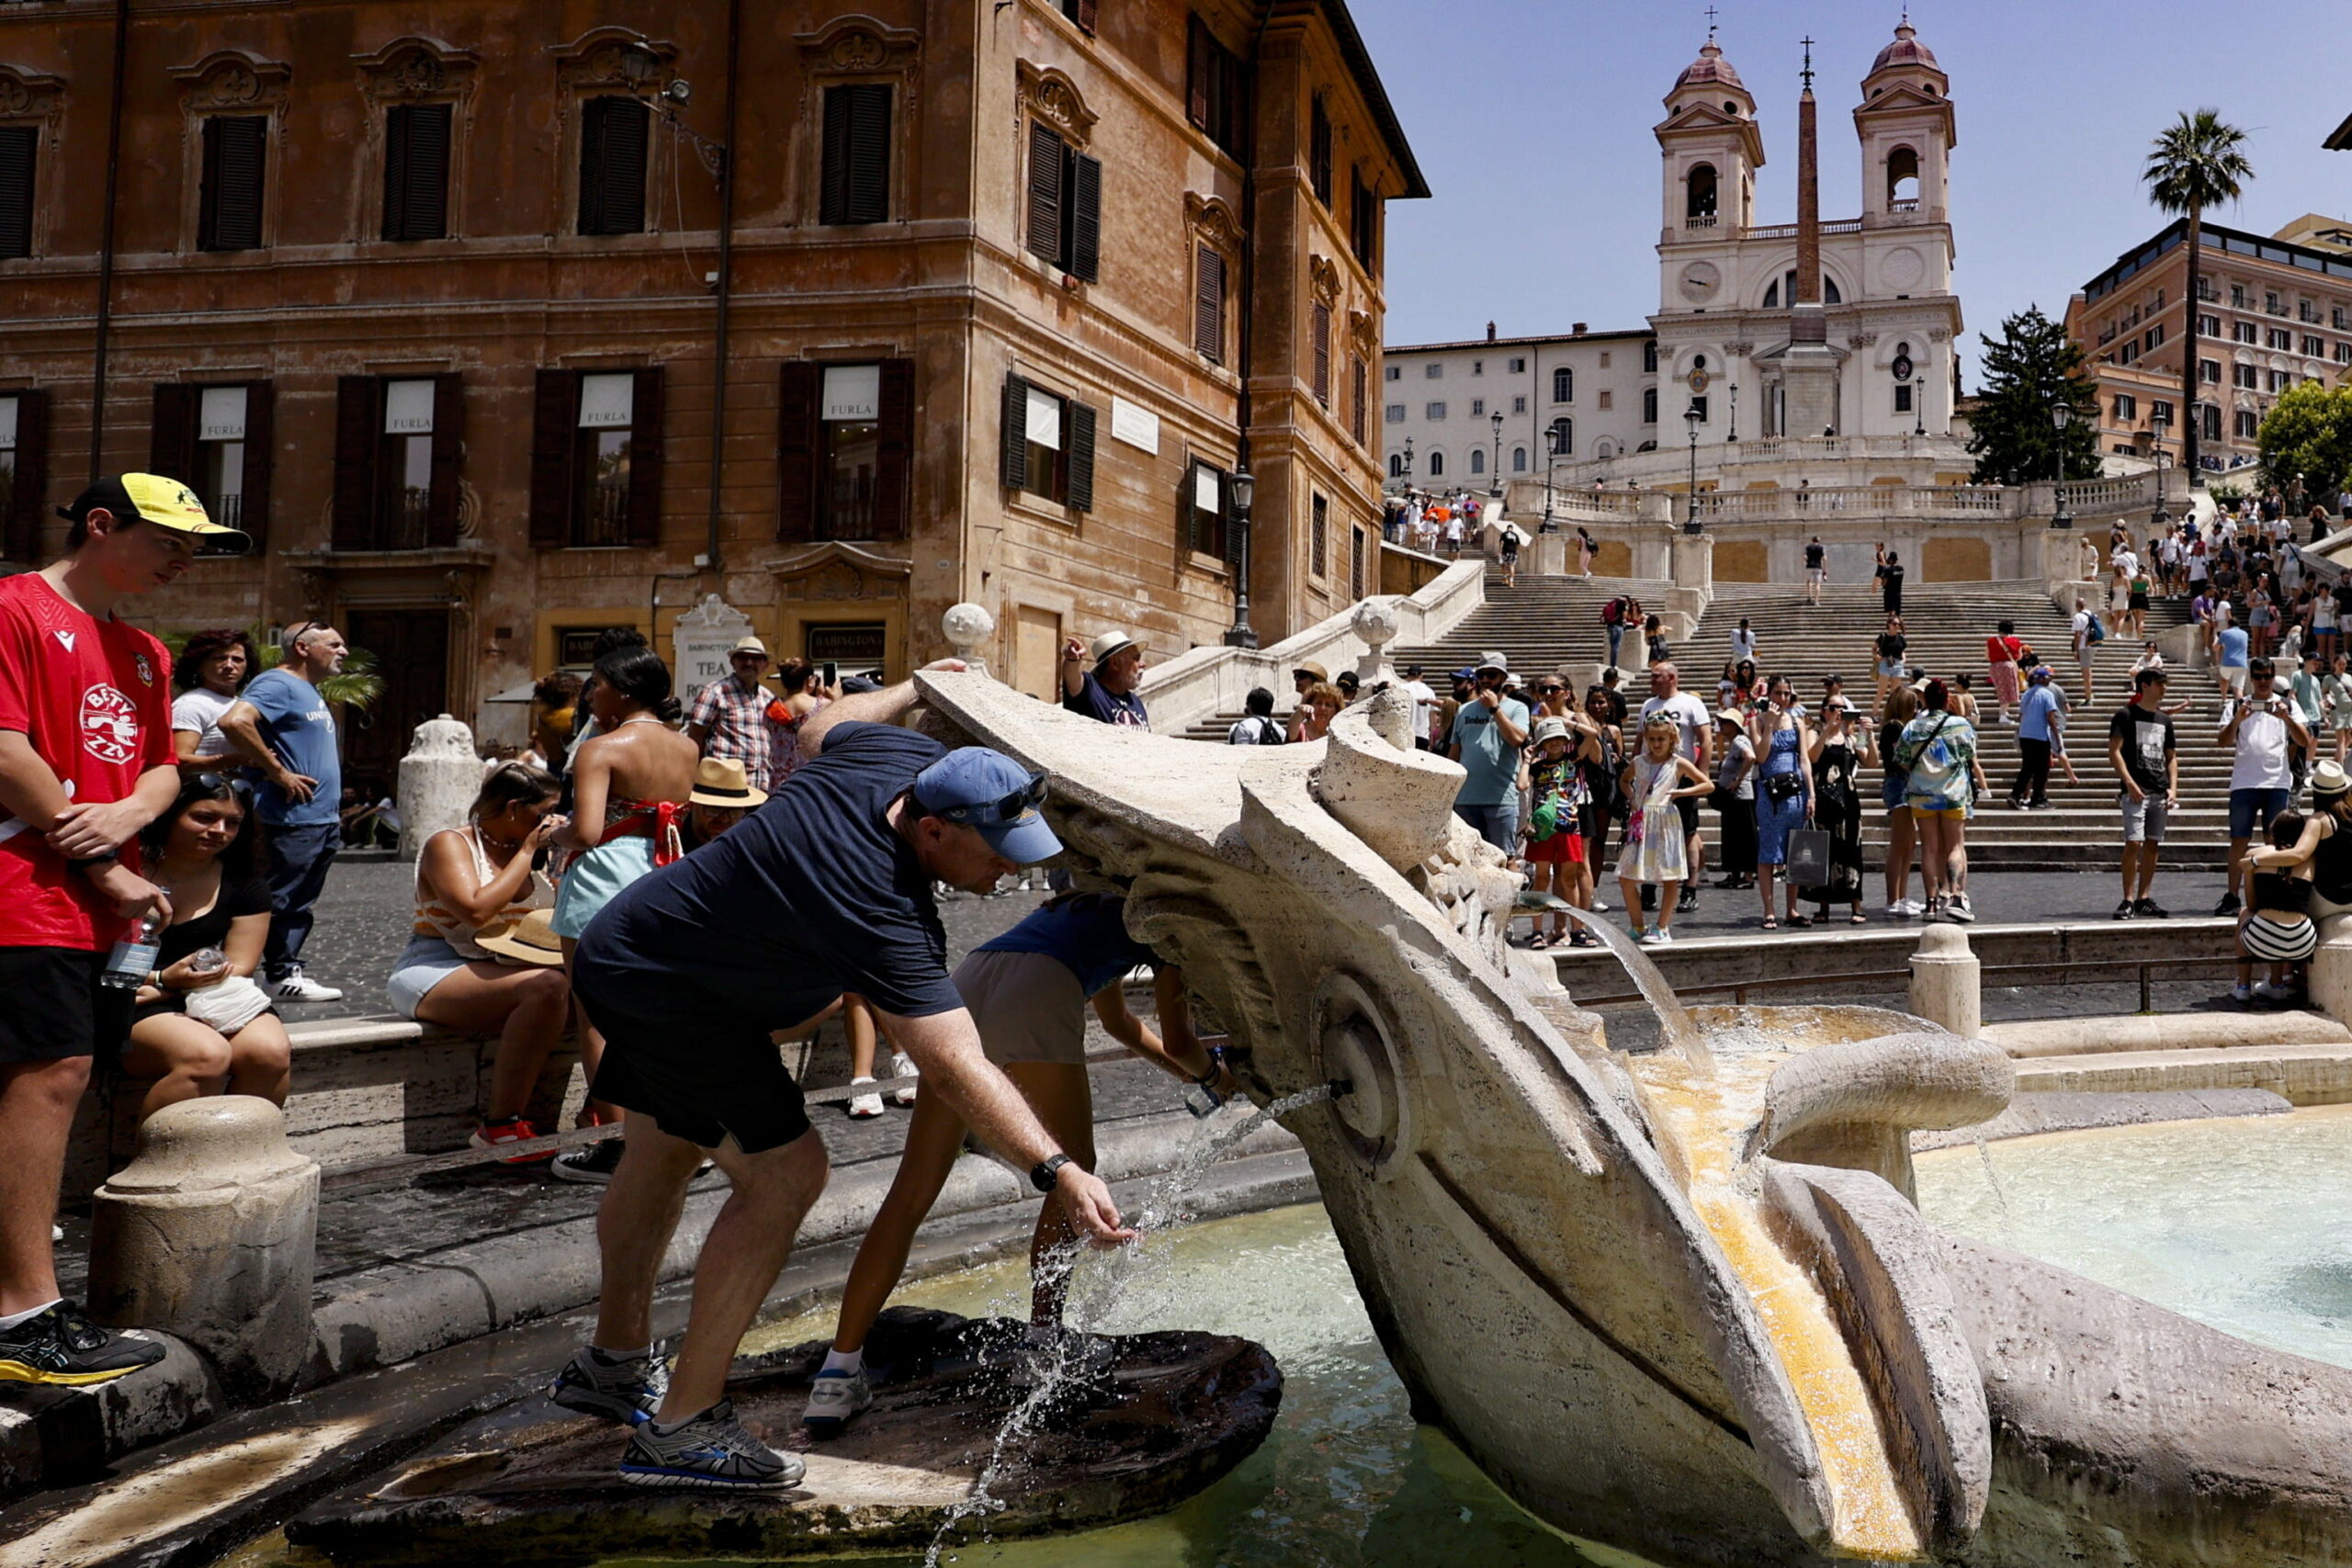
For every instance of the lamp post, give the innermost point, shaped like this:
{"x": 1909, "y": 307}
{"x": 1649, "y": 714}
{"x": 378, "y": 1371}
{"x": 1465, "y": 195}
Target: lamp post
{"x": 1919, "y": 405}
{"x": 1408, "y": 462}
{"x": 1242, "y": 488}
{"x": 1734, "y": 437}
{"x": 1550, "y": 456}
{"x": 2062, "y": 414}
{"x": 1497, "y": 489}
{"x": 2157, "y": 422}
{"x": 1691, "y": 416}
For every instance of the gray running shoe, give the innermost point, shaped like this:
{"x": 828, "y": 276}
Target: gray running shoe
{"x": 628, "y": 1390}
{"x": 712, "y": 1452}
{"x": 833, "y": 1398}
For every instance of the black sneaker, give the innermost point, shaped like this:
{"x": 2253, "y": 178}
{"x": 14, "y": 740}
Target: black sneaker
{"x": 2126, "y": 909}
{"x": 595, "y": 1163}
{"x": 2228, "y": 905}
{"x": 61, "y": 1346}
{"x": 1689, "y": 903}
{"x": 1649, "y": 896}
{"x": 2149, "y": 909}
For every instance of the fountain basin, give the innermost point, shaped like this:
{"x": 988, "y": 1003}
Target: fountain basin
{"x": 1151, "y": 1420}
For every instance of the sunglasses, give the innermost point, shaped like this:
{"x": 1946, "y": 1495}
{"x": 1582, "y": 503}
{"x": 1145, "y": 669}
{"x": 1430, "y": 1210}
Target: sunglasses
{"x": 988, "y": 813}
{"x": 1551, "y": 691}
{"x": 239, "y": 787}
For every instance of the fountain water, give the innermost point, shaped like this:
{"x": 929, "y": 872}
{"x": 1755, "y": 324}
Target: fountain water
{"x": 1681, "y": 1031}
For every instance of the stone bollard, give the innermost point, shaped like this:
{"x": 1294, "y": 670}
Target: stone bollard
{"x": 438, "y": 780}
{"x": 1376, "y": 623}
{"x": 968, "y": 627}
{"x": 1947, "y": 985}
{"x": 211, "y": 1234}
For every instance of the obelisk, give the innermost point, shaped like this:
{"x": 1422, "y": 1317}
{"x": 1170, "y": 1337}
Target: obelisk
{"x": 1809, "y": 369}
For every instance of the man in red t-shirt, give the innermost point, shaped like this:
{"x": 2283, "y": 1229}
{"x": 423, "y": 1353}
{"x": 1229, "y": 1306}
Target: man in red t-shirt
{"x": 2002, "y": 652}
{"x": 85, "y": 763}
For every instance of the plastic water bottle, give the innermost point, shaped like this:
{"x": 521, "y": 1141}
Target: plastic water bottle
{"x": 1201, "y": 1100}
{"x": 133, "y": 958}
{"x": 208, "y": 961}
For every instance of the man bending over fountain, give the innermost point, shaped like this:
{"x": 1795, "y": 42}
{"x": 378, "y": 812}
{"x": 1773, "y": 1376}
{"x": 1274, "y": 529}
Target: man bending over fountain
{"x": 824, "y": 889}
{"x": 1028, "y": 992}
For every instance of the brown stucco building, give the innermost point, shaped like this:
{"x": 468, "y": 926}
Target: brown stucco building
{"x": 431, "y": 294}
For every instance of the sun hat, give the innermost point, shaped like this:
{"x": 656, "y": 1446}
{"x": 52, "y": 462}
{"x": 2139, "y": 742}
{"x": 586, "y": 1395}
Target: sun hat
{"x": 1551, "y": 727}
{"x": 166, "y": 503}
{"x": 1312, "y": 671}
{"x": 749, "y": 643}
{"x": 1493, "y": 659}
{"x": 530, "y": 940}
{"x": 1731, "y": 716}
{"x": 722, "y": 782}
{"x": 1106, "y": 645}
{"x": 983, "y": 789}
{"x": 2329, "y": 778}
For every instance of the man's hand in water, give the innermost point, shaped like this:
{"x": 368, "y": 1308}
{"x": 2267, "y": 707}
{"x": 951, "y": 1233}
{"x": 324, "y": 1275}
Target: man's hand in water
{"x": 1088, "y": 1203}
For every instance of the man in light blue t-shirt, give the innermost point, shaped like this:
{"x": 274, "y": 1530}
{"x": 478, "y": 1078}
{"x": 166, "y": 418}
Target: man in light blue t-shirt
{"x": 2037, "y": 719}
{"x": 2229, "y": 658}
{"x": 282, "y": 723}
{"x": 1487, "y": 732}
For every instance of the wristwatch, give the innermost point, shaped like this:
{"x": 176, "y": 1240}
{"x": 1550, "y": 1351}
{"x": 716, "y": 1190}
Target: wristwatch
{"x": 1041, "y": 1177}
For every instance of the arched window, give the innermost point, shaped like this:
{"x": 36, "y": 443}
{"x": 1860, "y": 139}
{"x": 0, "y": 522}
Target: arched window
{"x": 1902, "y": 180}
{"x": 1605, "y": 448}
{"x": 1437, "y": 465}
{"x": 1649, "y": 405}
{"x": 1785, "y": 288}
{"x": 1649, "y": 356}
{"x": 1699, "y": 194}
{"x": 1564, "y": 385}
{"x": 1477, "y": 461}
{"x": 1518, "y": 459}
{"x": 1562, "y": 437}
{"x": 1396, "y": 465}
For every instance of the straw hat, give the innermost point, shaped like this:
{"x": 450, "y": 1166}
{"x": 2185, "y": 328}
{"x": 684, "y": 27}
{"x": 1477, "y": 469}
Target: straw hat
{"x": 721, "y": 780}
{"x": 2329, "y": 778}
{"x": 530, "y": 940}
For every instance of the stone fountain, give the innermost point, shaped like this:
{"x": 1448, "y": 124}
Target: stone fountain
{"x": 1679, "y": 1303}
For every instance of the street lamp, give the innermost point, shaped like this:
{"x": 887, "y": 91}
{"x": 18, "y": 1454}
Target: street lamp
{"x": 1408, "y": 462}
{"x": 1919, "y": 405}
{"x": 1734, "y": 436}
{"x": 2062, "y": 414}
{"x": 2159, "y": 421}
{"x": 1242, "y": 488}
{"x": 1691, "y": 416}
{"x": 638, "y": 67}
{"x": 1497, "y": 487}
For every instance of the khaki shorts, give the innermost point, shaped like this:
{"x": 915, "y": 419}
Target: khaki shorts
{"x": 1027, "y": 1007}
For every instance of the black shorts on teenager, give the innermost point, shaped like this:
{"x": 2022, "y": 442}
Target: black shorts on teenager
{"x": 1687, "y": 808}
{"x": 50, "y": 1003}
{"x": 722, "y": 1077}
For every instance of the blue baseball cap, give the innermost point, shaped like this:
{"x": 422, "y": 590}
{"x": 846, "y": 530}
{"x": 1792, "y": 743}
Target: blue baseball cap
{"x": 988, "y": 792}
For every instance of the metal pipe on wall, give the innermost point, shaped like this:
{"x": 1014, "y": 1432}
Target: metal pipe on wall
{"x": 726, "y": 283}
{"x": 106, "y": 241}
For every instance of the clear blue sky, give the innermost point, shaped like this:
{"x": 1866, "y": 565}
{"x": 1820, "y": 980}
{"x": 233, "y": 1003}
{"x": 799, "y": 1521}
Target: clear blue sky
{"x": 1532, "y": 120}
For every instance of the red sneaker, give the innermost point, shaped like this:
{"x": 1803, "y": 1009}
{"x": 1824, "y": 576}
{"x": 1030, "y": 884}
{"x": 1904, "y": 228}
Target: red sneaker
{"x": 489, "y": 1135}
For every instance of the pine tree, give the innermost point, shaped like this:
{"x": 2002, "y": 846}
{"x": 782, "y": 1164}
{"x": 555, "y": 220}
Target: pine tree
{"x": 2029, "y": 370}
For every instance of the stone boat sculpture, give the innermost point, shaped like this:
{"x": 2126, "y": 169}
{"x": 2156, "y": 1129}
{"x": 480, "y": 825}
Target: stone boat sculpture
{"x": 1678, "y": 1302}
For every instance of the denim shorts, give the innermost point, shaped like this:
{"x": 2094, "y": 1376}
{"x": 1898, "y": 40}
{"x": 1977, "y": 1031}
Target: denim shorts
{"x": 422, "y": 964}
{"x": 2251, "y": 809}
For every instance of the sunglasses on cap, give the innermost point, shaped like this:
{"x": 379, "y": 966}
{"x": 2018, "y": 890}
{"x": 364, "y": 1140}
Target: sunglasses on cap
{"x": 989, "y": 813}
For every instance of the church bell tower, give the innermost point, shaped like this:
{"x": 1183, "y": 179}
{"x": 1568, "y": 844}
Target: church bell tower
{"x": 1709, "y": 149}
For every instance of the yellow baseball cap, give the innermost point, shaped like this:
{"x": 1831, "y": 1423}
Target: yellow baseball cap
{"x": 166, "y": 503}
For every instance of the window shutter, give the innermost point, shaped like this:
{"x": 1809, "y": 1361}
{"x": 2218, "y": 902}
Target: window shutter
{"x": 555, "y": 410}
{"x": 448, "y": 459}
{"x": 358, "y": 416}
{"x": 1323, "y": 353}
{"x": 1086, "y": 16}
{"x": 21, "y": 541}
{"x": 1080, "y": 497}
{"x": 229, "y": 212}
{"x": 1318, "y": 152}
{"x": 171, "y": 442}
{"x": 1199, "y": 62}
{"x": 611, "y": 167}
{"x": 1359, "y": 395}
{"x": 1208, "y": 307}
{"x": 855, "y": 183}
{"x": 894, "y": 456}
{"x": 416, "y": 171}
{"x": 261, "y": 458}
{"x": 645, "y": 459}
{"x": 19, "y": 145}
{"x": 1045, "y": 193}
{"x": 799, "y": 437}
{"x": 1085, "y": 216}
{"x": 1014, "y": 436}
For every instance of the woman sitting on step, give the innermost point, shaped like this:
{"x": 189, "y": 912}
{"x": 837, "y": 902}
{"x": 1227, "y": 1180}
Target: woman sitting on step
{"x": 200, "y": 1025}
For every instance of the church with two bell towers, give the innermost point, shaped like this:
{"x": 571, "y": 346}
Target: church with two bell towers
{"x": 1846, "y": 326}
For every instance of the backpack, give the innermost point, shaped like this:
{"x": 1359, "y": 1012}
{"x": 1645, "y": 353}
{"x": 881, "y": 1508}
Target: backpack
{"x": 1614, "y": 613}
{"x": 2095, "y": 633}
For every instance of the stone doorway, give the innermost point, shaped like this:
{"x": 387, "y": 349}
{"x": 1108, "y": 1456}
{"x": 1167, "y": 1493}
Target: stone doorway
{"x": 412, "y": 649}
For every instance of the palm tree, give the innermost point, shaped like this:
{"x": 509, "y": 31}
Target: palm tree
{"x": 2198, "y": 162}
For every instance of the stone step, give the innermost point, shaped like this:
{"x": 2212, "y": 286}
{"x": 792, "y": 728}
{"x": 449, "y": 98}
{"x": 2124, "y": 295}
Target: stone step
{"x": 2316, "y": 1073}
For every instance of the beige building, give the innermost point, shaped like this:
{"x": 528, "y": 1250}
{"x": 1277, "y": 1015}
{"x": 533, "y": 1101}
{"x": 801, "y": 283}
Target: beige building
{"x": 1579, "y": 396}
{"x": 469, "y": 314}
{"x": 2271, "y": 310}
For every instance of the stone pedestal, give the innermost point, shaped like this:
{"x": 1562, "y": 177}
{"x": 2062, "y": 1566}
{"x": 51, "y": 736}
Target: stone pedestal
{"x": 2330, "y": 968}
{"x": 1374, "y": 620}
{"x": 1691, "y": 564}
{"x": 211, "y": 1234}
{"x": 439, "y": 778}
{"x": 1547, "y": 556}
{"x": 1947, "y": 985}
{"x": 968, "y": 627}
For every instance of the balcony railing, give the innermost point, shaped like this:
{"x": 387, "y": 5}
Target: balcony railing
{"x": 1904, "y": 204}
{"x": 1700, "y": 221}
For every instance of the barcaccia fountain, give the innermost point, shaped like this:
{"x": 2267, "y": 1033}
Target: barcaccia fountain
{"x": 1677, "y": 1301}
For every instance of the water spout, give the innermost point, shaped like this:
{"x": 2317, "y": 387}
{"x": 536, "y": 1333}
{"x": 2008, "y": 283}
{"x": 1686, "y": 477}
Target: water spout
{"x": 1682, "y": 1031}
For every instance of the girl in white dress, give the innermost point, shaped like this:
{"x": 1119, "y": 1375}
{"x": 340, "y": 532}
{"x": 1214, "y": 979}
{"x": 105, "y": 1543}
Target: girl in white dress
{"x": 1654, "y": 780}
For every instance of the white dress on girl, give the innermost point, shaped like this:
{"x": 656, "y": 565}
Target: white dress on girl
{"x": 1654, "y": 849}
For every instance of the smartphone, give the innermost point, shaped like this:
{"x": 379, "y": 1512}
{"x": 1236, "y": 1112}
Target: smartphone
{"x": 830, "y": 673}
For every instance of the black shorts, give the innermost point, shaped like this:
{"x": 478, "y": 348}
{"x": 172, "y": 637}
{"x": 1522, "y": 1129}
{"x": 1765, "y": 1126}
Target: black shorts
{"x": 722, "y": 1077}
{"x": 51, "y": 1006}
{"x": 1688, "y": 807}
